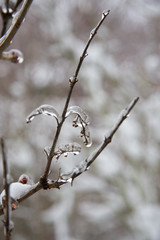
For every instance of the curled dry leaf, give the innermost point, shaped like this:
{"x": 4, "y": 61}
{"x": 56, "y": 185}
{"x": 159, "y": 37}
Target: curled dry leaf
{"x": 43, "y": 109}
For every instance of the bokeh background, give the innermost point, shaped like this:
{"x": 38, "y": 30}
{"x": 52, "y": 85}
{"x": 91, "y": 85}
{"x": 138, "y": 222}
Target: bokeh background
{"x": 119, "y": 197}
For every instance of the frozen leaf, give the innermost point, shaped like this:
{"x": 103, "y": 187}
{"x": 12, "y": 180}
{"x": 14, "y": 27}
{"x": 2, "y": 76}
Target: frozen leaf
{"x": 81, "y": 120}
{"x": 13, "y": 55}
{"x": 79, "y": 112}
{"x": 43, "y": 109}
{"x": 85, "y": 133}
{"x": 64, "y": 149}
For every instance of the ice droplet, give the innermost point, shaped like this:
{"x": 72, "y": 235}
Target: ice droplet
{"x": 92, "y": 32}
{"x": 43, "y": 109}
{"x": 47, "y": 150}
{"x": 69, "y": 180}
{"x": 73, "y": 79}
{"x": 87, "y": 168}
{"x": 89, "y": 144}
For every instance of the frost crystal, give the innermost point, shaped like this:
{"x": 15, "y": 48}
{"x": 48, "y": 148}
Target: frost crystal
{"x": 64, "y": 149}
{"x": 81, "y": 120}
{"x": 43, "y": 109}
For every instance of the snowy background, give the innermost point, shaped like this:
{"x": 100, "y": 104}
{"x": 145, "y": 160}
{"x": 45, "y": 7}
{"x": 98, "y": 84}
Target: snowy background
{"x": 118, "y": 198}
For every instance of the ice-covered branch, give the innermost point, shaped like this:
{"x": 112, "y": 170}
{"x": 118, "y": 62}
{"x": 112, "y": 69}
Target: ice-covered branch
{"x": 92, "y": 34}
{"x": 84, "y": 165}
{"x": 16, "y": 23}
{"x": 7, "y": 212}
{"x": 72, "y": 81}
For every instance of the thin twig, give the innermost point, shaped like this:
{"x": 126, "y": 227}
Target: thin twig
{"x": 17, "y": 5}
{"x": 92, "y": 34}
{"x": 7, "y": 222}
{"x": 7, "y": 5}
{"x": 18, "y": 19}
{"x": 73, "y": 80}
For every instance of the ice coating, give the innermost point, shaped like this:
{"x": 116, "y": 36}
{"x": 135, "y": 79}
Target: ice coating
{"x": 43, "y": 109}
{"x": 64, "y": 149}
{"x": 81, "y": 120}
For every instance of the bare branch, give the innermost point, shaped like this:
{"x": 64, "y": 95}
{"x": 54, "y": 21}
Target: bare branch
{"x": 72, "y": 80}
{"x": 16, "y": 23}
{"x": 7, "y": 221}
{"x": 17, "y": 5}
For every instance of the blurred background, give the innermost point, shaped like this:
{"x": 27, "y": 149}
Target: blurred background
{"x": 119, "y": 197}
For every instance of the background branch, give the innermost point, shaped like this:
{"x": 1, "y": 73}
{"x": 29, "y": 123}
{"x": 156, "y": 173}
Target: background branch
{"x": 7, "y": 13}
{"x": 16, "y": 23}
{"x": 7, "y": 212}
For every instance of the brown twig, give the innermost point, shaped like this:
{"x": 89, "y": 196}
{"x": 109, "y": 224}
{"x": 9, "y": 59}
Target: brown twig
{"x": 7, "y": 221}
{"x": 73, "y": 80}
{"x": 16, "y": 23}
